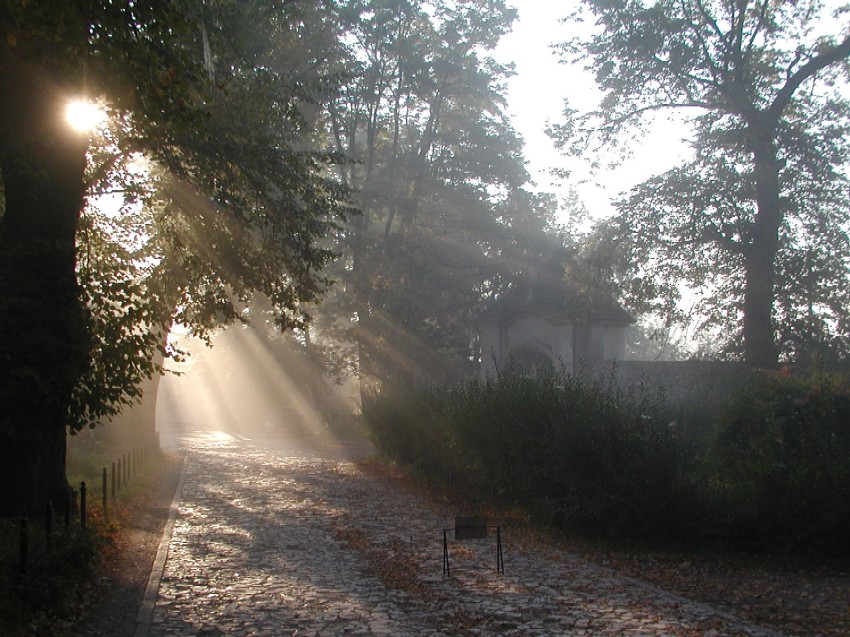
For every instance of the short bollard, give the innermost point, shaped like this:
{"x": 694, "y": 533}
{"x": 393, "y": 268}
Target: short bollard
{"x": 83, "y": 505}
{"x": 48, "y": 526}
{"x": 24, "y": 547}
{"x": 105, "y": 510}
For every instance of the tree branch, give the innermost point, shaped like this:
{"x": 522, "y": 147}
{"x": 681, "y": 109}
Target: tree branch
{"x": 819, "y": 62}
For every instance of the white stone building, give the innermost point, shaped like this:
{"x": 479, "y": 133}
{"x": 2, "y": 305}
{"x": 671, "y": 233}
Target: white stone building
{"x": 544, "y": 320}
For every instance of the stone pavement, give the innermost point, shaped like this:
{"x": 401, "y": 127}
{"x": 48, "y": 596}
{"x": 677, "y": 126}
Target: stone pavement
{"x": 288, "y": 542}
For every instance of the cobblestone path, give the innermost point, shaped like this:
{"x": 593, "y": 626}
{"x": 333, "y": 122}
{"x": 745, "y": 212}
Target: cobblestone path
{"x": 278, "y": 543}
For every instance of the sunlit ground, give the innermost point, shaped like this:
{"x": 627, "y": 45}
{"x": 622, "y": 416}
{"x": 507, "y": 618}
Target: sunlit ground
{"x": 248, "y": 387}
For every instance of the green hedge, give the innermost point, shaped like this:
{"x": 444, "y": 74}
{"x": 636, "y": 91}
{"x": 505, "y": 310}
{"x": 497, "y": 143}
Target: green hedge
{"x": 601, "y": 458}
{"x": 777, "y": 469}
{"x": 774, "y": 473}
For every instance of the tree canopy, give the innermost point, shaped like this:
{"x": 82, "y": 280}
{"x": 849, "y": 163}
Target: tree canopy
{"x": 439, "y": 174}
{"x": 757, "y": 221}
{"x": 233, "y": 201}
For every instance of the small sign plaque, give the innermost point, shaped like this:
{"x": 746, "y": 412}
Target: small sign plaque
{"x": 470, "y": 527}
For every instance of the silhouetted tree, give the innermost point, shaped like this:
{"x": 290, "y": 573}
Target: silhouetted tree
{"x": 439, "y": 173}
{"x": 246, "y": 201}
{"x": 758, "y": 219}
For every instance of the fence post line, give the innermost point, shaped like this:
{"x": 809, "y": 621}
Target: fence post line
{"x": 83, "y": 505}
{"x": 24, "y": 547}
{"x": 105, "y": 510}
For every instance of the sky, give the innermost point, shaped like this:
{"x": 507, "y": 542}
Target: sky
{"x": 536, "y": 96}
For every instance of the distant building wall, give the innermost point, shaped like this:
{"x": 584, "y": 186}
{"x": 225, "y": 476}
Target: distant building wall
{"x": 695, "y": 390}
{"x": 531, "y": 338}
{"x": 526, "y": 338}
{"x": 607, "y": 342}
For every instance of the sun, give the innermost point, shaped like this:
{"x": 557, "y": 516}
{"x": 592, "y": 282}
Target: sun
{"x": 84, "y": 116}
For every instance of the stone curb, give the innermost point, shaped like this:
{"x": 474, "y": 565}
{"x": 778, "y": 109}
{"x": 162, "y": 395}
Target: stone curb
{"x": 145, "y": 616}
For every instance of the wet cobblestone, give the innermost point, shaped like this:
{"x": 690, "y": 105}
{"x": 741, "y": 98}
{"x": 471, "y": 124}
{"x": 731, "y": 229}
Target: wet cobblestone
{"x": 276, "y": 543}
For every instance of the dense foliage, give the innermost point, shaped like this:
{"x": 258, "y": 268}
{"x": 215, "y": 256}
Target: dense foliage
{"x": 439, "y": 175}
{"x": 231, "y": 199}
{"x": 756, "y": 221}
{"x": 774, "y": 473}
{"x": 601, "y": 457}
{"x": 777, "y": 470}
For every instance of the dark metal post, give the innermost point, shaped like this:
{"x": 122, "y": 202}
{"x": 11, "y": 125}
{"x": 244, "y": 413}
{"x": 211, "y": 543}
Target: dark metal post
{"x": 113, "y": 480}
{"x": 105, "y": 510}
{"x": 24, "y": 548}
{"x": 119, "y": 474}
{"x": 500, "y": 560}
{"x": 446, "y": 570}
{"x": 83, "y": 505}
{"x": 48, "y": 526}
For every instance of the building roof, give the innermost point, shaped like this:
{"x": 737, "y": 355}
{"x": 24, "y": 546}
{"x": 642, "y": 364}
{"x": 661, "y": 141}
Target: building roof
{"x": 546, "y": 294}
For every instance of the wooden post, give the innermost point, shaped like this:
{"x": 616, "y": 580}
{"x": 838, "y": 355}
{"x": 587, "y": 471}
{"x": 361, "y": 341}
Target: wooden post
{"x": 105, "y": 510}
{"x": 446, "y": 570}
{"x": 83, "y": 505}
{"x": 48, "y": 526}
{"x": 24, "y": 547}
{"x": 500, "y": 560}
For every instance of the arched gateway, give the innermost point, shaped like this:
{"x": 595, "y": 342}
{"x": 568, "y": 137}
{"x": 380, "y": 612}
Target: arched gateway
{"x": 545, "y": 319}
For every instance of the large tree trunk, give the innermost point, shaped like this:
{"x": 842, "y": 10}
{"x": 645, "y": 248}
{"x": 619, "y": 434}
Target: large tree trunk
{"x": 760, "y": 349}
{"x": 43, "y": 345}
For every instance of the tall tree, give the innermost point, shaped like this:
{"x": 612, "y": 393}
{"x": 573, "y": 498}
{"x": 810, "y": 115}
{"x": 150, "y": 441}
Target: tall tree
{"x": 243, "y": 211}
{"x": 764, "y": 202}
{"x": 439, "y": 174}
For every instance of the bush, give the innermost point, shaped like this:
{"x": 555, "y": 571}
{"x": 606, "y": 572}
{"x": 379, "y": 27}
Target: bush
{"x": 604, "y": 458}
{"x": 773, "y": 473}
{"x": 777, "y": 470}
{"x": 54, "y": 584}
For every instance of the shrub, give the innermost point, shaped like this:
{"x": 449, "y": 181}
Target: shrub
{"x": 777, "y": 470}
{"x": 606, "y": 458}
{"x": 53, "y": 587}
